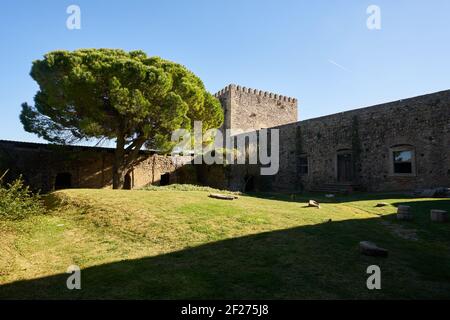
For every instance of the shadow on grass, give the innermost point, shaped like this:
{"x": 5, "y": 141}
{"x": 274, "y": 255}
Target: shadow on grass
{"x": 337, "y": 198}
{"x": 317, "y": 261}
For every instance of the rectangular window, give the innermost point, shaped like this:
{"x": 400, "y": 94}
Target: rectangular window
{"x": 403, "y": 161}
{"x": 303, "y": 165}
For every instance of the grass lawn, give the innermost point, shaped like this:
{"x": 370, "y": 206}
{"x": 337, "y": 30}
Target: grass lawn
{"x": 173, "y": 244}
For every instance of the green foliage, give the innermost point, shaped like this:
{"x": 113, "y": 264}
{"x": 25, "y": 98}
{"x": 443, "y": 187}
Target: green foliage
{"x": 185, "y": 187}
{"x": 104, "y": 93}
{"x": 298, "y": 152}
{"x": 135, "y": 244}
{"x": 114, "y": 94}
{"x": 356, "y": 148}
{"x": 18, "y": 202}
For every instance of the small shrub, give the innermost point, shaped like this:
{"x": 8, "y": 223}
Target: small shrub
{"x": 185, "y": 187}
{"x": 17, "y": 201}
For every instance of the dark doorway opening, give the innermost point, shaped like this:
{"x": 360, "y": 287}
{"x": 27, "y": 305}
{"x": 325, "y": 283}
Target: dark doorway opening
{"x": 165, "y": 179}
{"x": 249, "y": 184}
{"x": 63, "y": 180}
{"x": 127, "y": 183}
{"x": 344, "y": 167}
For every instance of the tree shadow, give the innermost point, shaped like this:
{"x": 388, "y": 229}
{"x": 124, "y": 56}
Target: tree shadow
{"x": 319, "y": 261}
{"x": 337, "y": 198}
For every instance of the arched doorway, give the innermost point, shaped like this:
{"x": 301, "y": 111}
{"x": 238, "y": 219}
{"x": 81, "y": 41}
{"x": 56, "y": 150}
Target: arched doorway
{"x": 128, "y": 181}
{"x": 165, "y": 179}
{"x": 63, "y": 180}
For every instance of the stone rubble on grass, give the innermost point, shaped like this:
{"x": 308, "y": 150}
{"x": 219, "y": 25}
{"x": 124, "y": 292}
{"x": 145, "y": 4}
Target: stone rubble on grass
{"x": 313, "y": 203}
{"x": 371, "y": 249}
{"x": 222, "y": 196}
{"x": 329, "y": 195}
{"x": 404, "y": 213}
{"x": 441, "y": 192}
{"x": 439, "y": 215}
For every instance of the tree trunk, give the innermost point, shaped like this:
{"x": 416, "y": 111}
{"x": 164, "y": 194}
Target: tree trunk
{"x": 118, "y": 178}
{"x": 118, "y": 165}
{"x": 124, "y": 159}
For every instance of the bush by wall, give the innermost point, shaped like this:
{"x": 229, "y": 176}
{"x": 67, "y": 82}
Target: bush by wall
{"x": 17, "y": 201}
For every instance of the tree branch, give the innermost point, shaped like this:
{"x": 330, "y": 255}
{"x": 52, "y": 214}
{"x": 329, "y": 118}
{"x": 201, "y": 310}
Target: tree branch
{"x": 133, "y": 150}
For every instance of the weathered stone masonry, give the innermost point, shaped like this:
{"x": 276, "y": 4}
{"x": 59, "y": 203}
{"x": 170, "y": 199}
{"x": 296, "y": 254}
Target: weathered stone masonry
{"x": 369, "y": 136}
{"x": 401, "y": 145}
{"x": 250, "y": 109}
{"x": 48, "y": 167}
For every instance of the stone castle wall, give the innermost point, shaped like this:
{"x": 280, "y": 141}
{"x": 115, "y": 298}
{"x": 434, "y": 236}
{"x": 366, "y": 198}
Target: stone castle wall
{"x": 369, "y": 135}
{"x": 88, "y": 167}
{"x": 250, "y": 109}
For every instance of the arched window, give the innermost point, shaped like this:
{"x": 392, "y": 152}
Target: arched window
{"x": 402, "y": 160}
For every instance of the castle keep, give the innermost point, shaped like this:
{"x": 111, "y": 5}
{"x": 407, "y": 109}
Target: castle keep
{"x": 401, "y": 145}
{"x": 250, "y": 109}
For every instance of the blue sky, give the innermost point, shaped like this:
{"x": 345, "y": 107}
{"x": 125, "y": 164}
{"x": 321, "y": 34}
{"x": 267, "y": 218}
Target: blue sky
{"x": 320, "y": 52}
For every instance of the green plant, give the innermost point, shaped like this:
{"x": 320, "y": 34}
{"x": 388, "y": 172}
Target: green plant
{"x": 184, "y": 187}
{"x": 17, "y": 201}
{"x": 129, "y": 97}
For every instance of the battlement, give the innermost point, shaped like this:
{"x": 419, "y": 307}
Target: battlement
{"x": 255, "y": 92}
{"x": 250, "y": 109}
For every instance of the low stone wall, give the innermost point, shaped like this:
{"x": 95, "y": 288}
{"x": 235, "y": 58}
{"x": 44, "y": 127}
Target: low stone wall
{"x": 42, "y": 165}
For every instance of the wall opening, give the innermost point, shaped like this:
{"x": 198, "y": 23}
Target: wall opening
{"x": 63, "y": 180}
{"x": 127, "y": 183}
{"x": 344, "y": 166}
{"x": 303, "y": 165}
{"x": 165, "y": 179}
{"x": 402, "y": 160}
{"x": 249, "y": 183}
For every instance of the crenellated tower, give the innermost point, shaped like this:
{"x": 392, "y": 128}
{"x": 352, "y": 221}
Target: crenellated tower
{"x": 250, "y": 109}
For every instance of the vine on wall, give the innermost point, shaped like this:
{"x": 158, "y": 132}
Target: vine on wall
{"x": 298, "y": 152}
{"x": 356, "y": 148}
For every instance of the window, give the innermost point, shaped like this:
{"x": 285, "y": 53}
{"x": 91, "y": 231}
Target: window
{"x": 303, "y": 165}
{"x": 402, "y": 160}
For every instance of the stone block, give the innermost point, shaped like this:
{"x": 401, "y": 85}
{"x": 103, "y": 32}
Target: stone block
{"x": 404, "y": 213}
{"x": 439, "y": 215}
{"x": 371, "y": 249}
